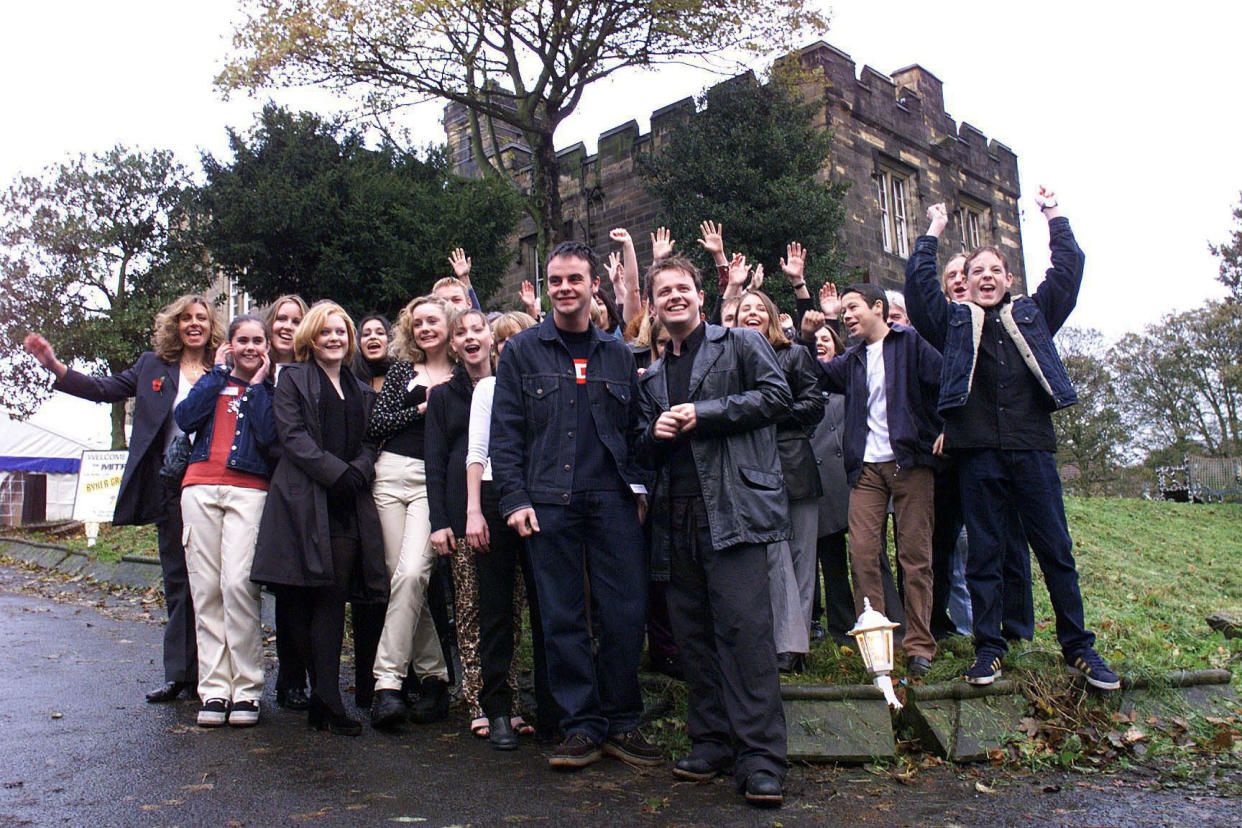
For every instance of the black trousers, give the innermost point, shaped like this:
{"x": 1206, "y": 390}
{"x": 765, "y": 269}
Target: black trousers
{"x": 180, "y": 640}
{"x": 721, "y": 615}
{"x": 834, "y": 561}
{"x": 291, "y": 670}
{"x": 316, "y": 624}
{"x": 497, "y": 571}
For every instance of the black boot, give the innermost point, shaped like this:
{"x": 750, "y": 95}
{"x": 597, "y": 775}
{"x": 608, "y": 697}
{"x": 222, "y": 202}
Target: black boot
{"x": 387, "y": 709}
{"x": 321, "y": 717}
{"x": 433, "y": 704}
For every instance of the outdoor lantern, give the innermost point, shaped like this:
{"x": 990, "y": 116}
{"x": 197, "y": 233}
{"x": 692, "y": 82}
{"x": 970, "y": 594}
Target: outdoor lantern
{"x": 874, "y": 634}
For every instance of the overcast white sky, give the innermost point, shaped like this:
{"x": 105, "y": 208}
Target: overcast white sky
{"x": 1131, "y": 116}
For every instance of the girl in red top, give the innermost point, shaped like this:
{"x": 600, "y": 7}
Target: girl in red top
{"x": 229, "y": 413}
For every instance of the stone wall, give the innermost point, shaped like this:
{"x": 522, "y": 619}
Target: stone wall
{"x": 887, "y": 128}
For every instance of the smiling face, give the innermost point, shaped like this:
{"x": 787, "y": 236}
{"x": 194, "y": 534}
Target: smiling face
{"x": 472, "y": 342}
{"x": 988, "y": 278}
{"x": 373, "y": 340}
{"x": 429, "y": 327}
{"x": 249, "y": 347}
{"x": 751, "y": 313}
{"x": 676, "y": 300}
{"x": 570, "y": 287}
{"x": 284, "y": 323}
{"x": 194, "y": 327}
{"x": 863, "y": 320}
{"x": 953, "y": 280}
{"x": 332, "y": 341}
{"x": 825, "y": 347}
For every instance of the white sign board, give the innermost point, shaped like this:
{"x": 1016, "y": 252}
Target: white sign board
{"x": 99, "y": 482}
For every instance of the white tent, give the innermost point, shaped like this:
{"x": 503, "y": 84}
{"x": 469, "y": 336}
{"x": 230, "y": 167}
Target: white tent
{"x": 27, "y": 450}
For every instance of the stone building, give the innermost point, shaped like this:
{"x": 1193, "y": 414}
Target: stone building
{"x": 891, "y": 138}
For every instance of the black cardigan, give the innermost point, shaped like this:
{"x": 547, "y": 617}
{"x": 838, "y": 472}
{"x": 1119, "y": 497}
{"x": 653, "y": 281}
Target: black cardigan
{"x": 447, "y": 436}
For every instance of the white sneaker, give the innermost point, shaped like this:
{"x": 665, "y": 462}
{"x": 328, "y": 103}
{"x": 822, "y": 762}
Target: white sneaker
{"x": 213, "y": 713}
{"x": 244, "y": 714}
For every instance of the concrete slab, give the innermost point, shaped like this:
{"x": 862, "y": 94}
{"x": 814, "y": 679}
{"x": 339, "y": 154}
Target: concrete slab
{"x": 957, "y": 721}
{"x": 123, "y": 573}
{"x": 44, "y": 555}
{"x": 850, "y": 730}
{"x": 986, "y": 724}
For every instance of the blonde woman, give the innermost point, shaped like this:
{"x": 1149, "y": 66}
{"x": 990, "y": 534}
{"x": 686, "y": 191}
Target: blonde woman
{"x": 421, "y": 362}
{"x": 320, "y": 543}
{"x": 187, "y": 333}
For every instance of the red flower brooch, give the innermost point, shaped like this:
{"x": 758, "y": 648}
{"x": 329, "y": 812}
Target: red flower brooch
{"x": 157, "y": 385}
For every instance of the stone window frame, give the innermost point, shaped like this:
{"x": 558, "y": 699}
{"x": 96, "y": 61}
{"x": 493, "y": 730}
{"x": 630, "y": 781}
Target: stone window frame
{"x": 973, "y": 221}
{"x": 895, "y": 183}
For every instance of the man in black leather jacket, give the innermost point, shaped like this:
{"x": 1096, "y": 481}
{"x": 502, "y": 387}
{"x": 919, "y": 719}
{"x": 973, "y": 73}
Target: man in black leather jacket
{"x": 709, "y": 407}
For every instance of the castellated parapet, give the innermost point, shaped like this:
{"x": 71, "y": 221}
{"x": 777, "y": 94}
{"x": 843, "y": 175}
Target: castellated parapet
{"x": 892, "y": 140}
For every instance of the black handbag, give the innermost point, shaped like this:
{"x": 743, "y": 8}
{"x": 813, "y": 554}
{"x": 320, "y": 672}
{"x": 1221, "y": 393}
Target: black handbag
{"x": 176, "y": 458}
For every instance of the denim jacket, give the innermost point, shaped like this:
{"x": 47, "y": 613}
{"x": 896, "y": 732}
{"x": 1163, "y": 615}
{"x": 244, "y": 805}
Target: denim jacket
{"x": 532, "y": 448}
{"x": 256, "y": 427}
{"x": 1031, "y": 322}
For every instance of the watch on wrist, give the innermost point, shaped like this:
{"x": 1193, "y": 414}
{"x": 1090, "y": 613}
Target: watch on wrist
{"x": 798, "y": 286}
{"x": 1048, "y": 205}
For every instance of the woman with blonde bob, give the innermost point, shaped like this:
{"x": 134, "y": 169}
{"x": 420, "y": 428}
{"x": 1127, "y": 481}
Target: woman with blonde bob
{"x": 186, "y": 335}
{"x": 320, "y": 542}
{"x": 792, "y": 602}
{"x": 421, "y": 362}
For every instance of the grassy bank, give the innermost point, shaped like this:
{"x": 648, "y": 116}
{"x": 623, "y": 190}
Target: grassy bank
{"x": 110, "y": 545}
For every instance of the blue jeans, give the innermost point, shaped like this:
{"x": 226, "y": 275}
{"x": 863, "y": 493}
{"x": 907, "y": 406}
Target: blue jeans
{"x": 596, "y": 538}
{"x": 992, "y": 479}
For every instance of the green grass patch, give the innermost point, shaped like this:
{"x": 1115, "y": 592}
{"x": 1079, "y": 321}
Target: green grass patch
{"x": 111, "y": 543}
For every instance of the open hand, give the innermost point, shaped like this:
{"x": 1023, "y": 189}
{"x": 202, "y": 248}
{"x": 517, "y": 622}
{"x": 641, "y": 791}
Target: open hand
{"x": 794, "y": 262}
{"x": 661, "y": 244}
{"x": 460, "y": 263}
{"x": 829, "y": 302}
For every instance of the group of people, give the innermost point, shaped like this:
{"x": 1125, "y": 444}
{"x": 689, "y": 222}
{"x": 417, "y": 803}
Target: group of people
{"x": 623, "y": 469}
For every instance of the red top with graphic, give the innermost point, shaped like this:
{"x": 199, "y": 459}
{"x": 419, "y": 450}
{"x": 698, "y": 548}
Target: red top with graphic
{"x": 215, "y": 471}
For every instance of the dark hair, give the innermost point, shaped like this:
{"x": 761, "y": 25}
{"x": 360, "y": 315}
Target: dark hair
{"x": 376, "y": 317}
{"x": 673, "y": 263}
{"x": 870, "y": 294}
{"x": 243, "y": 318}
{"x": 610, "y": 305}
{"x": 575, "y": 250}
{"x": 838, "y": 344}
{"x": 987, "y": 248}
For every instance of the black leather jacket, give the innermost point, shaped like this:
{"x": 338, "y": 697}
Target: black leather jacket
{"x": 738, "y": 390}
{"x": 795, "y": 426}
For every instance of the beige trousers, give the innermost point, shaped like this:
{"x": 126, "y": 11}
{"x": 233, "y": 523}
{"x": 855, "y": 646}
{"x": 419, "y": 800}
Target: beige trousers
{"x": 400, "y": 493}
{"x": 220, "y": 524}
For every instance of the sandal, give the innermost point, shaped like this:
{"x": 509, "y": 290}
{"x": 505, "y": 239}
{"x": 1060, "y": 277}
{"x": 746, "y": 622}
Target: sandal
{"x": 479, "y": 728}
{"x": 520, "y": 727}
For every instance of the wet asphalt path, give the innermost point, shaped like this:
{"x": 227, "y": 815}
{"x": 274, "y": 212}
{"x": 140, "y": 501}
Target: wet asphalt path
{"x": 79, "y": 746}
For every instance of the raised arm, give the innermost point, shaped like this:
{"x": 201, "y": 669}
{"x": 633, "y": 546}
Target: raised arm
{"x": 111, "y": 389}
{"x": 629, "y": 297}
{"x": 926, "y": 304}
{"x": 1057, "y": 295}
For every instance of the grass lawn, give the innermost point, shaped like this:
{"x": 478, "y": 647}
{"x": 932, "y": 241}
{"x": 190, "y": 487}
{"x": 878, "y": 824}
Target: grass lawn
{"x": 110, "y": 545}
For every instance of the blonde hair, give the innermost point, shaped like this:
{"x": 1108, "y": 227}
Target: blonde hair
{"x": 269, "y": 315}
{"x": 508, "y": 325}
{"x": 452, "y": 281}
{"x": 457, "y": 318}
{"x": 166, "y": 338}
{"x": 312, "y": 323}
{"x": 775, "y": 336}
{"x": 403, "y": 344}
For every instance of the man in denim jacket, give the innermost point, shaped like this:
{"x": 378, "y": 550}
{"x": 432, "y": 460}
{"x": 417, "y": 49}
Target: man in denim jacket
{"x": 1000, "y": 383}
{"x": 564, "y": 420}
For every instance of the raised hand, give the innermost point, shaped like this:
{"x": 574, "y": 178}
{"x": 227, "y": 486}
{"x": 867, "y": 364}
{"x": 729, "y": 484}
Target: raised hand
{"x": 937, "y": 218}
{"x": 460, "y": 263}
{"x": 829, "y": 302}
{"x": 40, "y": 349}
{"x": 615, "y": 271}
{"x": 794, "y": 262}
{"x": 661, "y": 244}
{"x": 526, "y": 293}
{"x": 812, "y": 321}
{"x": 620, "y": 235}
{"x": 712, "y": 239}
{"x": 1047, "y": 201}
{"x": 756, "y": 279}
{"x": 738, "y": 271}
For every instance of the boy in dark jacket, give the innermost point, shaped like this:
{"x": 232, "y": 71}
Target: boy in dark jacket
{"x": 890, "y": 379}
{"x": 1002, "y": 380}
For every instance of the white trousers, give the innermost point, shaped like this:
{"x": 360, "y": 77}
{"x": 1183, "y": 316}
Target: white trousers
{"x": 220, "y": 524}
{"x": 400, "y": 493}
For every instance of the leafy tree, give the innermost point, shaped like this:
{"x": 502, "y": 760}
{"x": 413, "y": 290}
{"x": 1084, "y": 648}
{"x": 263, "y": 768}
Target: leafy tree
{"x": 92, "y": 249}
{"x": 517, "y": 67}
{"x": 750, "y": 159}
{"x": 1181, "y": 380}
{"x": 1091, "y": 436}
{"x": 304, "y": 206}
{"x": 1230, "y": 254}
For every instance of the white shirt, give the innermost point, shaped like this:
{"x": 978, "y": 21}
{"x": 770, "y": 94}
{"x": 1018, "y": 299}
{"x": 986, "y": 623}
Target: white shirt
{"x": 478, "y": 443}
{"x": 184, "y": 384}
{"x": 878, "y": 448}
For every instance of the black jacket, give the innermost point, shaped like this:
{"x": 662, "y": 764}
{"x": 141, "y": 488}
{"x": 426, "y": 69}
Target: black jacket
{"x": 152, "y": 383}
{"x": 294, "y": 546}
{"x": 739, "y": 391}
{"x": 447, "y": 436}
{"x": 829, "y": 445}
{"x": 796, "y": 425}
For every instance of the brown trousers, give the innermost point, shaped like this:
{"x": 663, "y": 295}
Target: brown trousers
{"x": 912, "y": 493}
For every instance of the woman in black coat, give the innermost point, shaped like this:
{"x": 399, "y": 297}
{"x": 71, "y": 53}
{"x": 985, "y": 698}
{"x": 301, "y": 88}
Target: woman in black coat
{"x": 186, "y": 336}
{"x": 802, "y": 485}
{"x": 319, "y": 539}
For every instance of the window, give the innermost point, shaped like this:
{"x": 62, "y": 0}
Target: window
{"x": 968, "y": 221}
{"x": 891, "y": 194}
